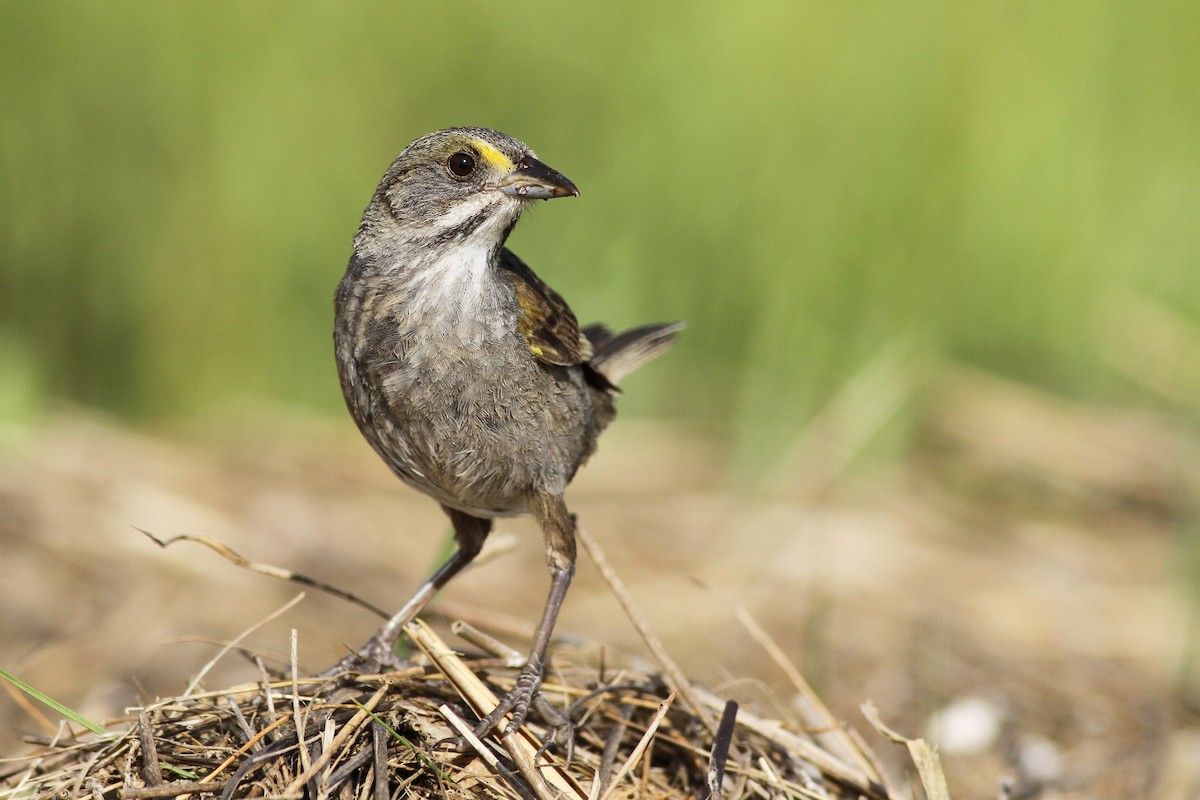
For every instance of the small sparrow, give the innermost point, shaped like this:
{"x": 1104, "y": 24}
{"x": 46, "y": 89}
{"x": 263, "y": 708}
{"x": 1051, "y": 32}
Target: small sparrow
{"x": 468, "y": 375}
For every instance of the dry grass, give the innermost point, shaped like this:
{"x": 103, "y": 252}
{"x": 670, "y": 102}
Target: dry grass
{"x": 394, "y": 735}
{"x": 1026, "y": 569}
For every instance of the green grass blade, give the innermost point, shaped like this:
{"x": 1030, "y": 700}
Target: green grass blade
{"x": 45, "y": 699}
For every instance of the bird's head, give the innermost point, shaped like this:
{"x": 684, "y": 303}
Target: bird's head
{"x": 461, "y": 183}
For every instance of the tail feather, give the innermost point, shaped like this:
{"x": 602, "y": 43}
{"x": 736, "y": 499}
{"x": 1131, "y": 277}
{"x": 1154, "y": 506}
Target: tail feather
{"x": 615, "y": 355}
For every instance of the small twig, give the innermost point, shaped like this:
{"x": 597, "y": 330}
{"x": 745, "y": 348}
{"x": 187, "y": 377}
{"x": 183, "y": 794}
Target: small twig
{"x": 720, "y": 750}
{"x": 647, "y": 762}
{"x": 672, "y": 673}
{"x": 640, "y": 748}
{"x": 151, "y": 771}
{"x": 247, "y": 731}
{"x": 379, "y": 768}
{"x": 833, "y": 732}
{"x": 335, "y": 741}
{"x": 296, "y": 715}
{"x": 485, "y": 752}
{"x": 173, "y": 789}
{"x": 600, "y": 691}
{"x": 870, "y": 754}
{"x": 769, "y": 770}
{"x": 191, "y": 687}
{"x": 402, "y": 739}
{"x": 487, "y": 643}
{"x": 343, "y": 773}
{"x": 522, "y": 745}
{"x": 257, "y": 760}
{"x": 924, "y": 756}
{"x": 35, "y": 766}
{"x": 608, "y": 758}
{"x": 319, "y": 779}
{"x": 253, "y": 744}
{"x": 84, "y": 773}
{"x": 266, "y": 685}
{"x": 270, "y": 570}
{"x": 805, "y": 748}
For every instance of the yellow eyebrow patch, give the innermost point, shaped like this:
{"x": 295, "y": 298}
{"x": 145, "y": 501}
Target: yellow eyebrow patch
{"x": 492, "y": 155}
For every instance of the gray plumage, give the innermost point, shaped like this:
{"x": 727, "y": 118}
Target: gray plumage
{"x": 467, "y": 374}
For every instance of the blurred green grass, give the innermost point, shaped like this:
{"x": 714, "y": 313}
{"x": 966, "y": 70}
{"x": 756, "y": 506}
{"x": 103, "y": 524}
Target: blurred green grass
{"x": 804, "y": 183}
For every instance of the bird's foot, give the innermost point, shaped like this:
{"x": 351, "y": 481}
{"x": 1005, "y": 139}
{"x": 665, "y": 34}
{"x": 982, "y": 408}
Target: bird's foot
{"x": 527, "y": 694}
{"x": 373, "y": 657}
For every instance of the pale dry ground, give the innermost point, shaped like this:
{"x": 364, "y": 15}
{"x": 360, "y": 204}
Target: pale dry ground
{"x": 1021, "y": 571}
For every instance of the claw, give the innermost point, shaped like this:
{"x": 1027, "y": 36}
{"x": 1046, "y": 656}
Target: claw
{"x": 373, "y": 657}
{"x": 515, "y": 703}
{"x": 562, "y": 732}
{"x": 527, "y": 694}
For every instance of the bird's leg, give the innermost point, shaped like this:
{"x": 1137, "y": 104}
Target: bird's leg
{"x": 558, "y": 528}
{"x": 380, "y": 650}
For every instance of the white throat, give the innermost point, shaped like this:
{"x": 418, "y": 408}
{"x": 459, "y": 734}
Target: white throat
{"x": 457, "y": 283}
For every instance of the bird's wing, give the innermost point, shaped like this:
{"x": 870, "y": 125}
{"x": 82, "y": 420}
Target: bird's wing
{"x": 545, "y": 320}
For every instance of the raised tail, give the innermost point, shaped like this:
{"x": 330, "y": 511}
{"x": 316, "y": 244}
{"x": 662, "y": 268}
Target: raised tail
{"x": 615, "y": 355}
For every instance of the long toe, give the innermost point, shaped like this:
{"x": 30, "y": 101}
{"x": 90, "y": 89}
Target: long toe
{"x": 562, "y": 732}
{"x": 373, "y": 657}
{"x": 517, "y": 703}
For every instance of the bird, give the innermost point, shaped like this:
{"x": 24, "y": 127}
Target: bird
{"x": 468, "y": 375}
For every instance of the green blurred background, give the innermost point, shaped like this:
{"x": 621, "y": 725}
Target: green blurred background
{"x": 807, "y": 184}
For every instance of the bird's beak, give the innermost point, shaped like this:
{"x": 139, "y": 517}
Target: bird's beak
{"x": 534, "y": 180}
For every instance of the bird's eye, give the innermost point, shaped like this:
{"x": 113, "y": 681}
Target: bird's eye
{"x": 461, "y": 164}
